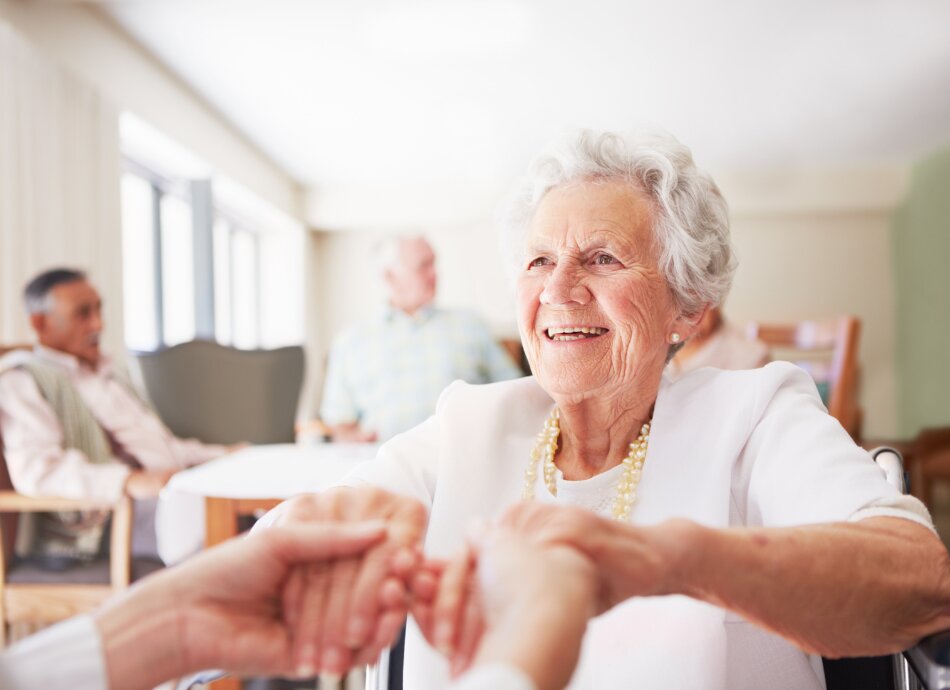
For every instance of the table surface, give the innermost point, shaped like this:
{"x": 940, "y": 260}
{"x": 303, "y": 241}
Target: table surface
{"x": 273, "y": 471}
{"x": 257, "y": 472}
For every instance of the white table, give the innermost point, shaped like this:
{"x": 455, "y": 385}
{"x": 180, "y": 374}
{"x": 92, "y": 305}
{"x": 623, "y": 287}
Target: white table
{"x": 200, "y": 505}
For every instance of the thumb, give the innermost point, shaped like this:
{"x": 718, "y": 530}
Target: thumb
{"x": 298, "y": 544}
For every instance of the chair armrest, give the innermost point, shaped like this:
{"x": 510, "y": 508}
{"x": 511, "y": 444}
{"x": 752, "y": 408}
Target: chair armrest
{"x": 930, "y": 659}
{"x": 13, "y": 502}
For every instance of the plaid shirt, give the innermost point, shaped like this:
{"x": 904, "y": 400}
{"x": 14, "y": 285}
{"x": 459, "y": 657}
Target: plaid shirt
{"x": 387, "y": 374}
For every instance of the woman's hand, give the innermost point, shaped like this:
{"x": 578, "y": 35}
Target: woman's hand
{"x": 347, "y": 611}
{"x": 631, "y": 561}
{"x": 221, "y": 609}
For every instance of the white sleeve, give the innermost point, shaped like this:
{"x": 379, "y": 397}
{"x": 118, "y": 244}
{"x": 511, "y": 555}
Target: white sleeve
{"x": 493, "y": 677}
{"x": 901, "y": 506}
{"x": 799, "y": 466}
{"x": 67, "y": 656}
{"x": 408, "y": 464}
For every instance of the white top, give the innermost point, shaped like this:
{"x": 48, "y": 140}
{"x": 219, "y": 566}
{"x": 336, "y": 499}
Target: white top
{"x": 69, "y": 656}
{"x": 727, "y": 448}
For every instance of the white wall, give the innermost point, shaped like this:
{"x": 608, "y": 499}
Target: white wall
{"x": 89, "y": 44}
{"x": 811, "y": 244}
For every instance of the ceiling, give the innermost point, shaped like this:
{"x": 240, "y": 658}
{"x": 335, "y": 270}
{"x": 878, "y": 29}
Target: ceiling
{"x": 368, "y": 92}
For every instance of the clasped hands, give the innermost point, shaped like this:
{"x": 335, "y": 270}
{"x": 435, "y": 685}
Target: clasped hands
{"x": 541, "y": 571}
{"x": 326, "y": 580}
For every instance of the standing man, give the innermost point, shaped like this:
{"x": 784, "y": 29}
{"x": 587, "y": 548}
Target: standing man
{"x": 385, "y": 375}
{"x": 73, "y": 426}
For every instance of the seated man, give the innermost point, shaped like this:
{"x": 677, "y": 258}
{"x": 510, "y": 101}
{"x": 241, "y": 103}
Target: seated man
{"x": 73, "y": 426}
{"x": 384, "y": 376}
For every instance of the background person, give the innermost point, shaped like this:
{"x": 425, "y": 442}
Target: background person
{"x": 737, "y": 510}
{"x": 718, "y": 344}
{"x": 384, "y": 375}
{"x": 73, "y": 425}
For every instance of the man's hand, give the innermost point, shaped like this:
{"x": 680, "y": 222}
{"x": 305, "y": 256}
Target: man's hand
{"x": 350, "y": 433}
{"x": 222, "y": 609}
{"x": 146, "y": 484}
{"x": 348, "y": 611}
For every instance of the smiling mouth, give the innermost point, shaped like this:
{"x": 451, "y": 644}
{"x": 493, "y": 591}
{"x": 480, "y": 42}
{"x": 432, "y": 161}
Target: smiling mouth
{"x": 571, "y": 333}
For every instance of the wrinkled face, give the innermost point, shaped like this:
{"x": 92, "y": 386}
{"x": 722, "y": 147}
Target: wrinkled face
{"x": 73, "y": 321}
{"x": 594, "y": 311}
{"x": 412, "y": 281}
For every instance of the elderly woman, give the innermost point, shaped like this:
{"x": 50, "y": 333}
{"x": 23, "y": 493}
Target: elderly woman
{"x": 742, "y": 532}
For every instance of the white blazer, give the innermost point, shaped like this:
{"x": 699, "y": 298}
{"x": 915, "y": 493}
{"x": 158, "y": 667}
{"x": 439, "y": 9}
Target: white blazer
{"x": 727, "y": 448}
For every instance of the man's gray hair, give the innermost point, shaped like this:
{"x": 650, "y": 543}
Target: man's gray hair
{"x": 386, "y": 251}
{"x": 36, "y": 294}
{"x": 691, "y": 218}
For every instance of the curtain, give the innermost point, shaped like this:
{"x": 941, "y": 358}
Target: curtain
{"x": 59, "y": 184}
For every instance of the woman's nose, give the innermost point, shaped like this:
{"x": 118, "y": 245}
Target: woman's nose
{"x": 564, "y": 286}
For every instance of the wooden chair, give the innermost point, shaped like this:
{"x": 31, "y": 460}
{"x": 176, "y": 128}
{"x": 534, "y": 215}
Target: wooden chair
{"x": 37, "y": 597}
{"x": 828, "y": 350}
{"x": 931, "y": 450}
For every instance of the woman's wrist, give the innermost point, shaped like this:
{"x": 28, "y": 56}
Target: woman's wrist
{"x": 683, "y": 543}
{"x": 647, "y": 561}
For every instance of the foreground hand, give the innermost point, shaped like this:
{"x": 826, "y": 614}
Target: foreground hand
{"x": 509, "y": 599}
{"x": 346, "y": 612}
{"x": 447, "y": 607}
{"x": 221, "y": 609}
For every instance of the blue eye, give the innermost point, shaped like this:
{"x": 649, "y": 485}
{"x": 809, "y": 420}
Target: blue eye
{"x": 539, "y": 261}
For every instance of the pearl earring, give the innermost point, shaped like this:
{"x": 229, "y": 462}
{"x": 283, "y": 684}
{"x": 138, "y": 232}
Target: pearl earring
{"x": 675, "y": 338}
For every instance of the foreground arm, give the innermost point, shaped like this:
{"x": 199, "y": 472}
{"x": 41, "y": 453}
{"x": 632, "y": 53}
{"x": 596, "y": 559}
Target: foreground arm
{"x": 222, "y": 609}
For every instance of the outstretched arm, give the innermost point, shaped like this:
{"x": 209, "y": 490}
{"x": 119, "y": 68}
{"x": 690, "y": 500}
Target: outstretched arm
{"x": 222, "y": 609}
{"x": 840, "y": 589}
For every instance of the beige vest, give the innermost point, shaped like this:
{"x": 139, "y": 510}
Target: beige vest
{"x": 76, "y": 534}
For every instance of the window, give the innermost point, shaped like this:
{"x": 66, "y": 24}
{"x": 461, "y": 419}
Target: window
{"x": 141, "y": 326}
{"x": 203, "y": 258}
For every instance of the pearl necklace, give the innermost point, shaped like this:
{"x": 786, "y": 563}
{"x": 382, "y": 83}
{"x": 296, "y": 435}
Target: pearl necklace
{"x": 546, "y": 448}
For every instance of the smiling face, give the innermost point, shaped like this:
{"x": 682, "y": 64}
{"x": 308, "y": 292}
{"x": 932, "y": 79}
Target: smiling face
{"x": 594, "y": 310}
{"x": 73, "y": 321}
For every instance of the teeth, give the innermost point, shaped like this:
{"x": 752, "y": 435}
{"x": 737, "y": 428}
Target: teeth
{"x": 588, "y": 330}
